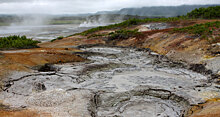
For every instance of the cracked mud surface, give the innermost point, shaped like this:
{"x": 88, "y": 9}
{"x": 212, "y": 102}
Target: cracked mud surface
{"x": 115, "y": 82}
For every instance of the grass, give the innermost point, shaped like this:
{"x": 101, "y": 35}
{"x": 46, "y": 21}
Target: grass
{"x": 200, "y": 29}
{"x": 118, "y": 34}
{"x": 130, "y": 22}
{"x": 17, "y": 42}
{"x": 123, "y": 34}
{"x": 96, "y": 35}
{"x": 58, "y": 38}
{"x": 205, "y": 30}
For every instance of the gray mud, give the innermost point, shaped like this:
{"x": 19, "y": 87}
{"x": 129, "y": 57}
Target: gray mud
{"x": 115, "y": 82}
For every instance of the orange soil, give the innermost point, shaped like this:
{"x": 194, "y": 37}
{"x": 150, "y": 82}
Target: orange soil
{"x": 209, "y": 109}
{"x": 23, "y": 113}
{"x": 23, "y": 61}
{"x": 71, "y": 41}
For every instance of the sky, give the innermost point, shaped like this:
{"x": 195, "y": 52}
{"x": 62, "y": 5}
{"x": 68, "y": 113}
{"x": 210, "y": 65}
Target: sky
{"x": 84, "y": 6}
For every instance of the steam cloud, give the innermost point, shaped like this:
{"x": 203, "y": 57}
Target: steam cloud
{"x": 101, "y": 20}
{"x": 32, "y": 20}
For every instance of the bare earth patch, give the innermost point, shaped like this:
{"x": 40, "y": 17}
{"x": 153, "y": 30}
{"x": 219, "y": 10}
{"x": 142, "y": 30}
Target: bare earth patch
{"x": 24, "y": 60}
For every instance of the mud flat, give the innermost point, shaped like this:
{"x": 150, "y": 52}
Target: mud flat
{"x": 114, "y": 82}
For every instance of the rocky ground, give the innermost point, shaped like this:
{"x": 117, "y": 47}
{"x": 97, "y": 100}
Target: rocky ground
{"x": 123, "y": 78}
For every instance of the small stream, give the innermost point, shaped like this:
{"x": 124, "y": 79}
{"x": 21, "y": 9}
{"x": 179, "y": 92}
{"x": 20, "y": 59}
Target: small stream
{"x": 114, "y": 82}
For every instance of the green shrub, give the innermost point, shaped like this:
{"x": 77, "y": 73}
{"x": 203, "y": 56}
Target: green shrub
{"x": 17, "y": 42}
{"x": 123, "y": 34}
{"x": 203, "y": 30}
{"x": 205, "y": 13}
{"x": 53, "y": 40}
{"x": 60, "y": 37}
{"x": 96, "y": 35}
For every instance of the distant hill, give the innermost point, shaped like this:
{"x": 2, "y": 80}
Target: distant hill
{"x": 157, "y": 11}
{"x": 113, "y": 17}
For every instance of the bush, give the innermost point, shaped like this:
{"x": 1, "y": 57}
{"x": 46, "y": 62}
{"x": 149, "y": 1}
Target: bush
{"x": 96, "y": 35}
{"x": 53, "y": 40}
{"x": 203, "y": 30}
{"x": 19, "y": 42}
{"x": 58, "y": 38}
{"x": 205, "y": 13}
{"x": 123, "y": 34}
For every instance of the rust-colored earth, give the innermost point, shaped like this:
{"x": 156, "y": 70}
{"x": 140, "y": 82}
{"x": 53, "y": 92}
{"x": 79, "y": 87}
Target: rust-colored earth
{"x": 209, "y": 109}
{"x": 23, "y": 113}
{"x": 24, "y": 60}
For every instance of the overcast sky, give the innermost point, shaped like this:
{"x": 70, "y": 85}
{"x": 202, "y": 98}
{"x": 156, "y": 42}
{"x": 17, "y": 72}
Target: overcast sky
{"x": 84, "y": 6}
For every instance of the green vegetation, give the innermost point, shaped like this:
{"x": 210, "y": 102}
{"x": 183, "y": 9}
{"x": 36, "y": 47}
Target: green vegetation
{"x": 58, "y": 38}
{"x": 96, "y": 35}
{"x": 123, "y": 34}
{"x": 53, "y": 40}
{"x": 20, "y": 42}
{"x": 203, "y": 30}
{"x": 131, "y": 22}
{"x": 118, "y": 34}
{"x": 200, "y": 29}
{"x": 205, "y": 13}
